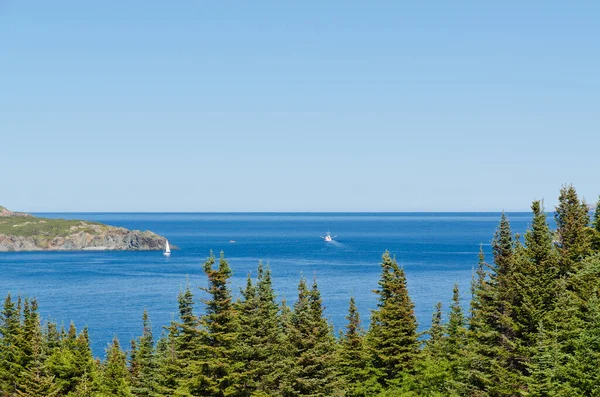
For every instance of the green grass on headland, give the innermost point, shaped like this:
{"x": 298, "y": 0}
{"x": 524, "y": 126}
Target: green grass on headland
{"x": 44, "y": 227}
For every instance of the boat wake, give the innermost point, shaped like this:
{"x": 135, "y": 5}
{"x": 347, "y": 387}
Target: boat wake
{"x": 336, "y": 244}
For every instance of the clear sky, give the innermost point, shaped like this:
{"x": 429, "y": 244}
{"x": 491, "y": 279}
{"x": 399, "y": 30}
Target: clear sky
{"x": 297, "y": 106}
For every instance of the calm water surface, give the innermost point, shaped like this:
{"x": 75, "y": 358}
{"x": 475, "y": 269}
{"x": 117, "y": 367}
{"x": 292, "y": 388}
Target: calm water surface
{"x": 108, "y": 291}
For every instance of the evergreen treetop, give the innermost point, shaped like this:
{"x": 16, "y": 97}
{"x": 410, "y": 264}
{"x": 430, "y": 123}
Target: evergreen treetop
{"x": 393, "y": 332}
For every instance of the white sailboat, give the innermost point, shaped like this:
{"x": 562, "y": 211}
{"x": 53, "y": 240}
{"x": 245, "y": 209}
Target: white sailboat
{"x": 167, "y": 249}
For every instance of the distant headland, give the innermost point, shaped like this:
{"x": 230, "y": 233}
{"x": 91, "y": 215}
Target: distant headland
{"x": 20, "y": 231}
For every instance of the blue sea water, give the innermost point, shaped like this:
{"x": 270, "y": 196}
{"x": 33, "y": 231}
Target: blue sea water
{"x": 108, "y": 291}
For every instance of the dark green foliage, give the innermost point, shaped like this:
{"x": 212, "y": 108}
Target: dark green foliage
{"x": 178, "y": 352}
{"x": 493, "y": 346}
{"x": 573, "y": 235}
{"x": 34, "y": 379}
{"x": 354, "y": 361}
{"x": 555, "y": 346}
{"x": 114, "y": 378}
{"x": 169, "y": 373}
{"x": 456, "y": 328}
{"x": 456, "y": 346}
{"x": 441, "y": 370}
{"x": 72, "y": 364}
{"x": 213, "y": 370}
{"x": 436, "y": 331}
{"x": 596, "y": 228}
{"x": 260, "y": 354}
{"x": 142, "y": 365}
{"x": 12, "y": 356}
{"x": 596, "y": 222}
{"x": 312, "y": 347}
{"x": 502, "y": 249}
{"x": 537, "y": 265}
{"x": 393, "y": 333}
{"x": 432, "y": 371}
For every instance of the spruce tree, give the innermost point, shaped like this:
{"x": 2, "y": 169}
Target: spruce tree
{"x": 596, "y": 228}
{"x": 581, "y": 370}
{"x": 535, "y": 279}
{"x": 573, "y": 235}
{"x": 169, "y": 372}
{"x": 143, "y": 361}
{"x": 180, "y": 351}
{"x": 494, "y": 366}
{"x": 243, "y": 376}
{"x": 114, "y": 379}
{"x": 441, "y": 369}
{"x": 456, "y": 326}
{"x": 273, "y": 339}
{"x": 52, "y": 336}
{"x": 555, "y": 345}
{"x": 313, "y": 347}
{"x": 186, "y": 333}
{"x": 72, "y": 364}
{"x": 354, "y": 362}
{"x": 503, "y": 251}
{"x": 455, "y": 345}
{"x": 393, "y": 333}
{"x": 259, "y": 348}
{"x": 431, "y": 373}
{"x": 35, "y": 380}
{"x": 12, "y": 356}
{"x": 287, "y": 348}
{"x": 505, "y": 293}
{"x": 213, "y": 370}
{"x": 436, "y": 331}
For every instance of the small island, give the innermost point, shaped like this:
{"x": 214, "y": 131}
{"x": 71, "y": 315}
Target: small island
{"x": 20, "y": 231}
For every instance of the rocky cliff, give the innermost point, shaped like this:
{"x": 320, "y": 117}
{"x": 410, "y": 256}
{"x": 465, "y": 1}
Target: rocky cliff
{"x": 23, "y": 232}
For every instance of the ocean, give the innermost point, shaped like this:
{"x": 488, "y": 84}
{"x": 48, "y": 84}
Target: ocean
{"x": 108, "y": 291}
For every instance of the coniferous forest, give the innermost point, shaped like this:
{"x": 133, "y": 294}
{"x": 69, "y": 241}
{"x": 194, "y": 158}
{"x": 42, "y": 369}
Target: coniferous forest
{"x": 532, "y": 329}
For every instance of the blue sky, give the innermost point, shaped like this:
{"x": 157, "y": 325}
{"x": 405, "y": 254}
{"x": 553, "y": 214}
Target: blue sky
{"x": 297, "y": 106}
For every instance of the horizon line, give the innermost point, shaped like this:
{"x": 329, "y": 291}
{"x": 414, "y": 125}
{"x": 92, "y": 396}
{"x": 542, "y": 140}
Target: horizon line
{"x": 284, "y": 212}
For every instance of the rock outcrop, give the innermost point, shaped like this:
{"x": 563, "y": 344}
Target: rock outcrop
{"x": 9, "y": 214}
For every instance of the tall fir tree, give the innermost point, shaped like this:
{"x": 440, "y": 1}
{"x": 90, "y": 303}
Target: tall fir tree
{"x": 287, "y": 347}
{"x": 259, "y": 348}
{"x": 442, "y": 368}
{"x": 169, "y": 371}
{"x": 180, "y": 351}
{"x": 596, "y": 228}
{"x": 52, "y": 336}
{"x": 573, "y": 234}
{"x": 456, "y": 329}
{"x": 72, "y": 364}
{"x": 313, "y": 347}
{"x": 143, "y": 361}
{"x": 505, "y": 294}
{"x": 581, "y": 369}
{"x": 555, "y": 345}
{"x": 354, "y": 362}
{"x": 494, "y": 366}
{"x": 220, "y": 327}
{"x": 436, "y": 331}
{"x": 35, "y": 380}
{"x": 455, "y": 346}
{"x": 244, "y": 379}
{"x": 432, "y": 373}
{"x": 114, "y": 381}
{"x": 393, "y": 333}
{"x": 12, "y": 356}
{"x": 535, "y": 279}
